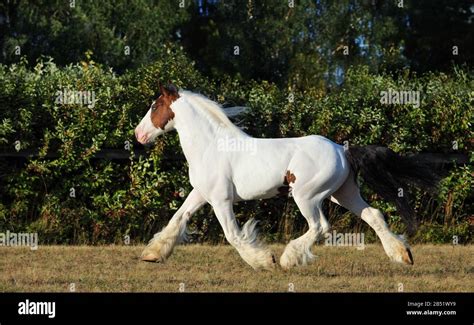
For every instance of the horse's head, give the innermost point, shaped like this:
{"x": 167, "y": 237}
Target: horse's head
{"x": 159, "y": 118}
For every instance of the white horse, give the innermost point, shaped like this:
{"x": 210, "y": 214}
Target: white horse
{"x": 226, "y": 166}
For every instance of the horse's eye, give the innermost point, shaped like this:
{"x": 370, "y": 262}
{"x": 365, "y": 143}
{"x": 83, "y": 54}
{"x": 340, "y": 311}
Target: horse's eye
{"x": 153, "y": 108}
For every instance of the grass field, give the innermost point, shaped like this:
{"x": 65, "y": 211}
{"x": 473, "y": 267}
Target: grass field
{"x": 219, "y": 268}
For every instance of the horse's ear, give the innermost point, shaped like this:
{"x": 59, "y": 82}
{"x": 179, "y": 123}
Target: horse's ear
{"x": 172, "y": 88}
{"x": 162, "y": 88}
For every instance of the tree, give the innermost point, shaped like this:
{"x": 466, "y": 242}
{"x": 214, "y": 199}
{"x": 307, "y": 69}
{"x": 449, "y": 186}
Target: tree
{"x": 121, "y": 34}
{"x": 439, "y": 33}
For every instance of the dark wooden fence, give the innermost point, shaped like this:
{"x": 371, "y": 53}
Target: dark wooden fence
{"x": 120, "y": 154}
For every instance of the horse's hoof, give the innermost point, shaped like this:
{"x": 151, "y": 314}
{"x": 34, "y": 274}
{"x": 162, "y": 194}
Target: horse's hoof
{"x": 150, "y": 257}
{"x": 272, "y": 265}
{"x": 407, "y": 258}
{"x": 286, "y": 263}
{"x": 403, "y": 256}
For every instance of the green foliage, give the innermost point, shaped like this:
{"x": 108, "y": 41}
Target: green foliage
{"x": 136, "y": 197}
{"x": 123, "y": 34}
{"x": 314, "y": 43}
{"x": 310, "y": 44}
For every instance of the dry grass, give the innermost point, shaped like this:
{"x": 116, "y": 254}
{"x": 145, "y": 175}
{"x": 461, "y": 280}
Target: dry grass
{"x": 220, "y": 269}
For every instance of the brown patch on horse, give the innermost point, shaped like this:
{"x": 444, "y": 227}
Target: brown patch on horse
{"x": 287, "y": 180}
{"x": 161, "y": 112}
{"x": 290, "y": 177}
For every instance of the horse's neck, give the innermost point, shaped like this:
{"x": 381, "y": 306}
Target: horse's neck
{"x": 194, "y": 135}
{"x": 197, "y": 133}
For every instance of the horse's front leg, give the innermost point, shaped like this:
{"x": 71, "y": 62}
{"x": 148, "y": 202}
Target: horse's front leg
{"x": 245, "y": 241}
{"x": 163, "y": 242}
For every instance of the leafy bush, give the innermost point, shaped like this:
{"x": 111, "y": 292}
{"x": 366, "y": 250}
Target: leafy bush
{"x": 67, "y": 196}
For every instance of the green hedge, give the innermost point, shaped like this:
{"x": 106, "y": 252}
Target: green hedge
{"x": 136, "y": 197}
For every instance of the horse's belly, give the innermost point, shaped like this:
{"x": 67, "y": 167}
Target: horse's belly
{"x": 256, "y": 194}
{"x": 259, "y": 182}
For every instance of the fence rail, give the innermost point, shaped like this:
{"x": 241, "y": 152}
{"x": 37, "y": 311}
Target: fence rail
{"x": 120, "y": 154}
{"x": 111, "y": 154}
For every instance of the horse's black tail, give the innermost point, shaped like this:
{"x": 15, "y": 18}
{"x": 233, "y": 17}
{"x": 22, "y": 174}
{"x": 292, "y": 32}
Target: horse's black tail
{"x": 389, "y": 174}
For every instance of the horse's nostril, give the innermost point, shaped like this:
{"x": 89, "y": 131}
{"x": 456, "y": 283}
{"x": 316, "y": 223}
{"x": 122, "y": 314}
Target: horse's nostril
{"x": 141, "y": 136}
{"x": 138, "y": 135}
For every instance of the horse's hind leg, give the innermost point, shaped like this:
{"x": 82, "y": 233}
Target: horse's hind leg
{"x": 298, "y": 251}
{"x": 163, "y": 242}
{"x": 348, "y": 196}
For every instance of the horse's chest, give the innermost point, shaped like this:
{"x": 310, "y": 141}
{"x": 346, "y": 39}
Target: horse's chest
{"x": 202, "y": 178}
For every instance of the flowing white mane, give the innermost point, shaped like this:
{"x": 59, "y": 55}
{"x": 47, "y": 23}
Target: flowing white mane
{"x": 214, "y": 112}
